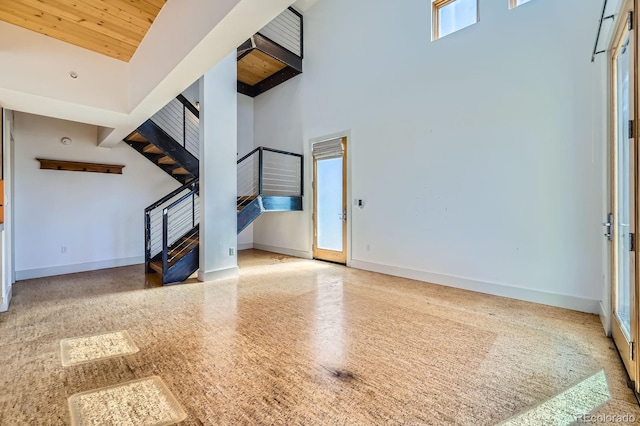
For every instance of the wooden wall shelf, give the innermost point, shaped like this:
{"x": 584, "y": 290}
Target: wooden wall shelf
{"x": 75, "y": 166}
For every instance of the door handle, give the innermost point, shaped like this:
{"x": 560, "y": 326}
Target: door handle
{"x": 608, "y": 227}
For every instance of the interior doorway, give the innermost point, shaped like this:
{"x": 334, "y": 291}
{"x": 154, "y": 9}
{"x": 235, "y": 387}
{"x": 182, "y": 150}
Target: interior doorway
{"x": 330, "y": 200}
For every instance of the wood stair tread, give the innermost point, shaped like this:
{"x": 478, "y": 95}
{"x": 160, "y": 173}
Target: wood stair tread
{"x": 156, "y": 266}
{"x": 151, "y": 149}
{"x": 185, "y": 246}
{"x": 136, "y": 137}
{"x": 180, "y": 171}
{"x": 167, "y": 160}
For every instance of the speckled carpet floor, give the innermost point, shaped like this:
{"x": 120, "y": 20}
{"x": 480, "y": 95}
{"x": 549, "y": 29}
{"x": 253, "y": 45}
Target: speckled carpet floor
{"x": 297, "y": 342}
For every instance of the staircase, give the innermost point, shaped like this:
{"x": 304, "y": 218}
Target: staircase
{"x": 170, "y": 139}
{"x": 269, "y": 180}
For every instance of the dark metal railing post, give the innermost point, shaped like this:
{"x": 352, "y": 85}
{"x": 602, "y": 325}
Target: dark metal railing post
{"x": 147, "y": 240}
{"x": 301, "y": 176}
{"x": 165, "y": 241}
{"x": 184, "y": 126}
{"x": 193, "y": 210}
{"x": 260, "y": 155}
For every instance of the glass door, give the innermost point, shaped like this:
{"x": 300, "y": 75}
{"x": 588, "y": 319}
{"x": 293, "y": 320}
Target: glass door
{"x": 330, "y": 201}
{"x": 624, "y": 173}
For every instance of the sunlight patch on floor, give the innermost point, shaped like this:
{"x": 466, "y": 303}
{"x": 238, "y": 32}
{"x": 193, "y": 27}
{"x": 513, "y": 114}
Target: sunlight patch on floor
{"x": 140, "y": 402}
{"x": 79, "y": 350}
{"x": 567, "y": 407}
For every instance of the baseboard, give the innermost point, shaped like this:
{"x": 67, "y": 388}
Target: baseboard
{"x": 604, "y": 319}
{"x": 6, "y": 300}
{"x": 282, "y": 250}
{"x": 528, "y": 295}
{"x": 218, "y": 274}
{"x": 28, "y": 274}
{"x": 247, "y": 246}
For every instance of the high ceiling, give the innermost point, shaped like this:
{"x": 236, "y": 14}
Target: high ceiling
{"x": 186, "y": 40}
{"x": 111, "y": 27}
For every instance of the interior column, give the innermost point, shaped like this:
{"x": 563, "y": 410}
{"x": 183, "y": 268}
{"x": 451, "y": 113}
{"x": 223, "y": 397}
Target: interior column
{"x": 218, "y": 187}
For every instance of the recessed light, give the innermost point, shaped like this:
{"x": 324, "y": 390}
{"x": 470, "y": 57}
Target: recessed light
{"x": 73, "y": 75}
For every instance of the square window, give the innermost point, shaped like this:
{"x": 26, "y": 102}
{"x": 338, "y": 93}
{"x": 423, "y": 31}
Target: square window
{"x": 452, "y": 15}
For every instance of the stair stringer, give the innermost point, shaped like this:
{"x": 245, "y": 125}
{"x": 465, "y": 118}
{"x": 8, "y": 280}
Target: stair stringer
{"x": 264, "y": 204}
{"x": 165, "y": 143}
{"x": 183, "y": 268}
{"x": 250, "y": 213}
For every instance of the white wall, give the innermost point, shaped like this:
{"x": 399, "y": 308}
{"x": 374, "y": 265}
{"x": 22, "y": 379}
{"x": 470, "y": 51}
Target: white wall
{"x": 99, "y": 217}
{"x": 479, "y": 156}
{"x": 192, "y": 93}
{"x": 245, "y": 146}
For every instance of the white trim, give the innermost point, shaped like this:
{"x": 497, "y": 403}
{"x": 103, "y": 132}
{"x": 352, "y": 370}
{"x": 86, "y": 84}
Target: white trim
{"x": 219, "y": 274}
{"x": 246, "y": 246}
{"x": 6, "y": 300}
{"x": 529, "y": 295}
{"x": 281, "y": 250}
{"x": 604, "y": 319}
{"x": 28, "y": 274}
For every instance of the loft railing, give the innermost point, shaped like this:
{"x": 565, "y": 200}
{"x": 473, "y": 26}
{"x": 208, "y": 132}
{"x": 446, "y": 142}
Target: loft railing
{"x": 182, "y": 215}
{"x": 181, "y": 120}
{"x": 269, "y": 172}
{"x": 286, "y": 30}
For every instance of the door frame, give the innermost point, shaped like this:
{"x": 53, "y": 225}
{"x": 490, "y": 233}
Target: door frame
{"x": 633, "y": 367}
{"x": 8, "y": 240}
{"x": 348, "y": 161}
{"x": 636, "y": 117}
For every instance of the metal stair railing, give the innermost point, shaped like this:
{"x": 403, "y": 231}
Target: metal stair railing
{"x": 181, "y": 218}
{"x": 172, "y": 223}
{"x": 181, "y": 120}
{"x": 180, "y": 227}
{"x": 269, "y": 172}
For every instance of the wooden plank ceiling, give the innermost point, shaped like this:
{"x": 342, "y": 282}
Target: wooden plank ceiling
{"x": 111, "y": 27}
{"x": 256, "y": 66}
